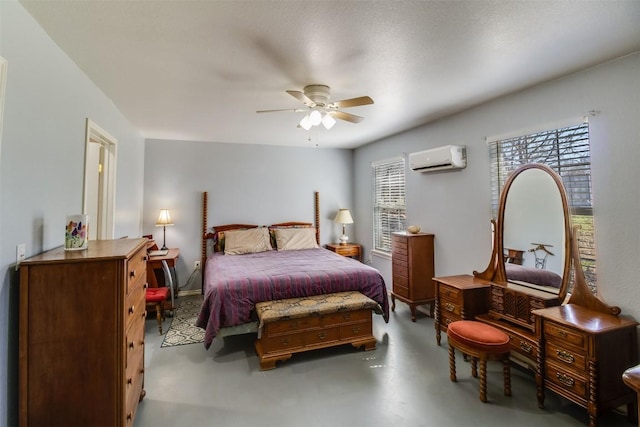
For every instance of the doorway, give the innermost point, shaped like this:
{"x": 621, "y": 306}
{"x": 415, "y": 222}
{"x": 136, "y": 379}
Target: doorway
{"x": 99, "y": 181}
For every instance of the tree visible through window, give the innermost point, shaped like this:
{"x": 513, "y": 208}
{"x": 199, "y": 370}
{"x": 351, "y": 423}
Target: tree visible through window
{"x": 389, "y": 212}
{"x": 566, "y": 151}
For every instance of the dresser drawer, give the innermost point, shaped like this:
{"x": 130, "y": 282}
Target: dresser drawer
{"x": 527, "y": 348}
{"x": 135, "y": 306}
{"x": 286, "y": 326}
{"x": 399, "y": 289}
{"x": 356, "y": 329}
{"x": 566, "y": 380}
{"x": 323, "y": 335}
{"x": 450, "y": 306}
{"x": 283, "y": 342}
{"x": 400, "y": 263}
{"x": 565, "y": 357}
{"x": 349, "y": 316}
{"x": 449, "y": 292}
{"x": 135, "y": 341}
{"x": 400, "y": 258}
{"x": 446, "y": 318}
{"x": 133, "y": 384}
{"x": 564, "y": 335}
{"x": 136, "y": 269}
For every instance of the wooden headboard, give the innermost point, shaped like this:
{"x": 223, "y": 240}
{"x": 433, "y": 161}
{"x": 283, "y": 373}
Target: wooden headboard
{"x": 207, "y": 234}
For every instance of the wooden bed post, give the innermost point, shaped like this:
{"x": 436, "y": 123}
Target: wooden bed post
{"x": 317, "y": 216}
{"x": 203, "y": 254}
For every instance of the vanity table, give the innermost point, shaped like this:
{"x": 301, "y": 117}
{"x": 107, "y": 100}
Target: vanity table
{"x": 578, "y": 347}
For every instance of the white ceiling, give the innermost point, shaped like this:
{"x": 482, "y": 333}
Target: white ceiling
{"x": 199, "y": 70}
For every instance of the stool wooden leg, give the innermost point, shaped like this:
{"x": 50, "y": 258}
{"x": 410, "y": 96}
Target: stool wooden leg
{"x": 474, "y": 367}
{"x": 452, "y": 364}
{"x": 507, "y": 377}
{"x": 483, "y": 380}
{"x": 160, "y": 315}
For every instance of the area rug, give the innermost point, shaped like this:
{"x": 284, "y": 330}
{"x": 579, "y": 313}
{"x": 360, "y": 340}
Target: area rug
{"x": 183, "y": 330}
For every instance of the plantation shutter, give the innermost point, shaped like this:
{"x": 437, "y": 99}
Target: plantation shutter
{"x": 389, "y": 213}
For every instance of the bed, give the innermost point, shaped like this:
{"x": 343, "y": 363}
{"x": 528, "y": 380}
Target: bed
{"x": 239, "y": 275}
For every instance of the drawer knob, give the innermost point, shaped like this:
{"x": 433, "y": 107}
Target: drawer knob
{"x": 322, "y": 335}
{"x": 565, "y": 379}
{"x": 132, "y": 273}
{"x": 129, "y": 415}
{"x": 565, "y": 356}
{"x": 131, "y": 345}
{"x": 132, "y": 309}
{"x": 447, "y": 321}
{"x": 449, "y": 307}
{"x": 562, "y": 334}
{"x": 347, "y": 316}
{"x": 284, "y": 341}
{"x": 355, "y": 329}
{"x": 526, "y": 347}
{"x": 129, "y": 381}
{"x": 446, "y": 292}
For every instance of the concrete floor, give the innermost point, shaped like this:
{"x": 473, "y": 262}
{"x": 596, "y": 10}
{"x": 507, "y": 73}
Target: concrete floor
{"x": 404, "y": 382}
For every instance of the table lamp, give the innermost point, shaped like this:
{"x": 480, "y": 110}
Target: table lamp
{"x": 163, "y": 221}
{"x": 343, "y": 217}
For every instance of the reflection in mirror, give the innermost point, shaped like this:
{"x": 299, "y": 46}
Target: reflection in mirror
{"x": 534, "y": 231}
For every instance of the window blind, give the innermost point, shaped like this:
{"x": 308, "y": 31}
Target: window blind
{"x": 389, "y": 212}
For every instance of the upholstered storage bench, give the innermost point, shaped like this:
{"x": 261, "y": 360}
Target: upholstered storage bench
{"x": 301, "y": 324}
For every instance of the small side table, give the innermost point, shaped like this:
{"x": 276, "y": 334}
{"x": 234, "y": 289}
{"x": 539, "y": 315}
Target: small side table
{"x": 351, "y": 250}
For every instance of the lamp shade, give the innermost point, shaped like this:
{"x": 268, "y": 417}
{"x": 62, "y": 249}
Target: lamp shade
{"x": 164, "y": 218}
{"x": 343, "y": 217}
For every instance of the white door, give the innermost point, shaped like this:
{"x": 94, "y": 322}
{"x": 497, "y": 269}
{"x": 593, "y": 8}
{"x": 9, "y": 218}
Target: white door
{"x": 99, "y": 181}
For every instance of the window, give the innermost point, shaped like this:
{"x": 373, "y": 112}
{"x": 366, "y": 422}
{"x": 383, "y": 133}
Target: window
{"x": 566, "y": 150}
{"x": 389, "y": 212}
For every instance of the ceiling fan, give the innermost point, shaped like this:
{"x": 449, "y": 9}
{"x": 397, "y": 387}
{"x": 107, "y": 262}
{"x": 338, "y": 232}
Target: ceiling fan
{"x": 320, "y": 110}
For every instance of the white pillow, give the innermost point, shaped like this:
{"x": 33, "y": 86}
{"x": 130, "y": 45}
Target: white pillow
{"x": 288, "y": 239}
{"x": 238, "y": 242}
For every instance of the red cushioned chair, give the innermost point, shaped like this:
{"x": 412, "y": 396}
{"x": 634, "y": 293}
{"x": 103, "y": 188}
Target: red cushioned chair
{"x": 480, "y": 342}
{"x": 157, "y": 297}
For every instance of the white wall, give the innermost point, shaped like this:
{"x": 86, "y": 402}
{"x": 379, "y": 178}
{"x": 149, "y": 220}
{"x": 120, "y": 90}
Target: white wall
{"x": 42, "y": 161}
{"x": 246, "y": 183}
{"x": 455, "y": 206}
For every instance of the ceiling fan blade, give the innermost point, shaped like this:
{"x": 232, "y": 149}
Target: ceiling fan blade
{"x": 353, "y": 102}
{"x": 300, "y": 96}
{"x": 346, "y": 116}
{"x": 291, "y": 110}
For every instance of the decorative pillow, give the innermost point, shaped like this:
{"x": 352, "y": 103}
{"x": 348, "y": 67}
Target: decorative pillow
{"x": 288, "y": 239}
{"x": 252, "y": 240}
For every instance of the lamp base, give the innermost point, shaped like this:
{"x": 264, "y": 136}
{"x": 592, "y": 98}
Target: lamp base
{"x": 344, "y": 239}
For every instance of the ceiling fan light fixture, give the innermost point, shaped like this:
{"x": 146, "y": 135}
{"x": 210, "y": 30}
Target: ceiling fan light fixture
{"x": 315, "y": 117}
{"x": 328, "y": 121}
{"x": 305, "y": 123}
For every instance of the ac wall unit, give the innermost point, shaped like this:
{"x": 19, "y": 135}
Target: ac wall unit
{"x": 441, "y": 158}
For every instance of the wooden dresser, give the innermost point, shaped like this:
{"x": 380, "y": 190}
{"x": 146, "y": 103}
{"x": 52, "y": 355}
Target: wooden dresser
{"x": 584, "y": 354}
{"x": 412, "y": 270}
{"x": 461, "y": 297}
{"x": 81, "y": 352}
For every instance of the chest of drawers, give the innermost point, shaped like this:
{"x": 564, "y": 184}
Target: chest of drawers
{"x": 412, "y": 262}
{"x": 583, "y": 356}
{"x": 81, "y": 351}
{"x": 461, "y": 297}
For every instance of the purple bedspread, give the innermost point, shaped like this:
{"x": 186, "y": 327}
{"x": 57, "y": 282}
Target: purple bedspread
{"x": 235, "y": 283}
{"x": 532, "y": 275}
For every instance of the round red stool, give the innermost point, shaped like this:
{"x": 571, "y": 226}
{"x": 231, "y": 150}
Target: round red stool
{"x": 480, "y": 342}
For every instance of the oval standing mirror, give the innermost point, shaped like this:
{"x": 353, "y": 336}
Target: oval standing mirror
{"x": 535, "y": 226}
{"x": 532, "y": 240}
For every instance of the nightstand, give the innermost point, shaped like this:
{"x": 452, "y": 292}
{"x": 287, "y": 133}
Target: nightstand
{"x": 351, "y": 250}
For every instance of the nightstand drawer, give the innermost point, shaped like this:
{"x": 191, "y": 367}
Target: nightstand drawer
{"x": 348, "y": 251}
